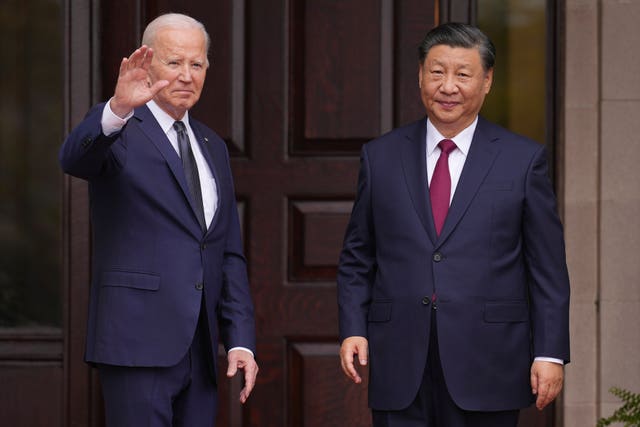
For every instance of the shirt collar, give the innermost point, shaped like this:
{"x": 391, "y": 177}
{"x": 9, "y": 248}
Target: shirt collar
{"x": 165, "y": 120}
{"x": 462, "y": 140}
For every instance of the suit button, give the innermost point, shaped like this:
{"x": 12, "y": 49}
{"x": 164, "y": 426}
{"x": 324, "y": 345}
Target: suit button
{"x": 437, "y": 257}
{"x": 86, "y": 142}
{"x": 203, "y": 246}
{"x": 426, "y": 301}
{"x": 199, "y": 286}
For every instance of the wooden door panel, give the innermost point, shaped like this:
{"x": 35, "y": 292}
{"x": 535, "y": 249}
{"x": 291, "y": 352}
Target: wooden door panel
{"x": 312, "y": 386}
{"x": 30, "y": 393}
{"x": 316, "y": 229}
{"x": 335, "y": 86}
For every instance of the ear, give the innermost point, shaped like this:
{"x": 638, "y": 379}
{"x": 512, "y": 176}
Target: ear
{"x": 420, "y": 76}
{"x": 488, "y": 80}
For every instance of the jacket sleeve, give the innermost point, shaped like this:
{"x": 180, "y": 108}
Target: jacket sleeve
{"x": 235, "y": 308}
{"x": 87, "y": 153}
{"x": 357, "y": 264}
{"x": 544, "y": 252}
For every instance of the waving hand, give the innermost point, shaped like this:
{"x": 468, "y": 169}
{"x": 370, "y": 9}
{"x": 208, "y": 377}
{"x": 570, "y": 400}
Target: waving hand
{"x": 135, "y": 87}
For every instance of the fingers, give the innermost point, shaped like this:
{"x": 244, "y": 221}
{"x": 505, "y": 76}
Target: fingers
{"x": 135, "y": 85}
{"x": 140, "y": 58}
{"x": 236, "y": 360}
{"x": 546, "y": 382}
{"x": 243, "y": 360}
{"x": 349, "y": 369}
{"x": 352, "y": 347}
{"x": 123, "y": 66}
{"x": 148, "y": 56}
{"x": 250, "y": 374}
{"x": 534, "y": 381}
{"x": 547, "y": 392}
{"x": 543, "y": 396}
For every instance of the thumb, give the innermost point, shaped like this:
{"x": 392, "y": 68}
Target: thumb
{"x": 158, "y": 86}
{"x": 232, "y": 369}
{"x": 534, "y": 382}
{"x": 363, "y": 353}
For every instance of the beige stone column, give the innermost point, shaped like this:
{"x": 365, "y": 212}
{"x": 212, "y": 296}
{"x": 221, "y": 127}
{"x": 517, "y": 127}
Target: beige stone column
{"x": 601, "y": 202}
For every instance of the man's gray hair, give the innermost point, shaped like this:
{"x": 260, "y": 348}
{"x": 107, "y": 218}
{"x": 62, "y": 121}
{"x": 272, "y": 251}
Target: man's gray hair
{"x": 459, "y": 35}
{"x": 177, "y": 21}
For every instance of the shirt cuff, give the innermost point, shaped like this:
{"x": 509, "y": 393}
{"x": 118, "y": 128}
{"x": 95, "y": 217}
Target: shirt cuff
{"x": 110, "y": 122}
{"x": 242, "y": 349}
{"x": 550, "y": 359}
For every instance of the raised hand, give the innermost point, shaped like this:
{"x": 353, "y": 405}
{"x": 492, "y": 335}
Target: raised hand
{"x": 135, "y": 86}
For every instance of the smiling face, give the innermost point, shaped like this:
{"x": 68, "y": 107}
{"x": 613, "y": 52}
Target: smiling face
{"x": 453, "y": 86}
{"x": 179, "y": 56}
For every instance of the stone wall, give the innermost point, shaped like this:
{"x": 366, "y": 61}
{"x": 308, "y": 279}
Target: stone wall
{"x": 600, "y": 198}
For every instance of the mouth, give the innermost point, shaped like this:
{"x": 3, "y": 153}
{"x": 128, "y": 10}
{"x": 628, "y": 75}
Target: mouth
{"x": 183, "y": 93}
{"x": 447, "y": 105}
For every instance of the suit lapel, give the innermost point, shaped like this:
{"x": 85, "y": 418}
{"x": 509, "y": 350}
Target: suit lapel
{"x": 482, "y": 154}
{"x": 414, "y": 166}
{"x": 156, "y": 135}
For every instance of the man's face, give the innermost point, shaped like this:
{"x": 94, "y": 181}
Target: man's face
{"x": 453, "y": 85}
{"x": 179, "y": 56}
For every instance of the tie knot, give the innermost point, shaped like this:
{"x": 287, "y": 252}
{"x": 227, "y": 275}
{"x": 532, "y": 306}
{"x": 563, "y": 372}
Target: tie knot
{"x": 179, "y": 126}
{"x": 447, "y": 146}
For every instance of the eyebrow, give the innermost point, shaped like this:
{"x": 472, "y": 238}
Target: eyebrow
{"x": 179, "y": 58}
{"x": 443, "y": 64}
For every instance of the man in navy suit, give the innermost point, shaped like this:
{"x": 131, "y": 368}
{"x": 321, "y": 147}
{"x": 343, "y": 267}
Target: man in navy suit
{"x": 169, "y": 277}
{"x": 452, "y": 281}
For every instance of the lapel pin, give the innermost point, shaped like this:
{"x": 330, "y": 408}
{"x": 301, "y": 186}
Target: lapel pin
{"x": 206, "y": 139}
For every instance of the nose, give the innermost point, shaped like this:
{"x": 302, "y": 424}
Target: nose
{"x": 449, "y": 84}
{"x": 185, "y": 73}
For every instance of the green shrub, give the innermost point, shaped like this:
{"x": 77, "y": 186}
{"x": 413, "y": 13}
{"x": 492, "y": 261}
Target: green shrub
{"x": 628, "y": 413}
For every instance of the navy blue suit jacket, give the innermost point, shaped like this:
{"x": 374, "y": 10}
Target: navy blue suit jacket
{"x": 151, "y": 262}
{"x": 498, "y": 269}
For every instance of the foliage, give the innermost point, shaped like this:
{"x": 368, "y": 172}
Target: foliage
{"x": 628, "y": 413}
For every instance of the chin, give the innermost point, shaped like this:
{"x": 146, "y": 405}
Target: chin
{"x": 183, "y": 105}
{"x": 446, "y": 118}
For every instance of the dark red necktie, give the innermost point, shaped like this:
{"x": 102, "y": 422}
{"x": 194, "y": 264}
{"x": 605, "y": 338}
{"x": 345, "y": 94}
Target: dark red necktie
{"x": 440, "y": 188}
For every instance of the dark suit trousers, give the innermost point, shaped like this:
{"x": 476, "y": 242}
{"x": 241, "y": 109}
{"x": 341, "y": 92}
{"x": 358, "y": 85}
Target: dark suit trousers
{"x": 184, "y": 395}
{"x": 434, "y": 407}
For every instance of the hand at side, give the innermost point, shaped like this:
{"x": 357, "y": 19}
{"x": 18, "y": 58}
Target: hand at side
{"x": 546, "y": 381}
{"x": 352, "y": 347}
{"x": 243, "y": 360}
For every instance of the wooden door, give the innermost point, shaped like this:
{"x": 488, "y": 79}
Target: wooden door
{"x": 326, "y": 76}
{"x": 295, "y": 88}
